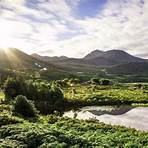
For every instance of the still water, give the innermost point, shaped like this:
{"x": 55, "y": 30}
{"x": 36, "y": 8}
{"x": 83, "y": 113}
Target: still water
{"x": 124, "y": 115}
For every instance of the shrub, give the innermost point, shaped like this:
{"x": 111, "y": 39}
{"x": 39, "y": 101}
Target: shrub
{"x": 61, "y": 83}
{"x": 74, "y": 81}
{"x": 105, "y": 82}
{"x": 14, "y": 87}
{"x": 47, "y": 97}
{"x": 24, "y": 107}
{"x": 95, "y": 81}
{"x": 8, "y": 119}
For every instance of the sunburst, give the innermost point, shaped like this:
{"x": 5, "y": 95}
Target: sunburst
{"x": 12, "y": 58}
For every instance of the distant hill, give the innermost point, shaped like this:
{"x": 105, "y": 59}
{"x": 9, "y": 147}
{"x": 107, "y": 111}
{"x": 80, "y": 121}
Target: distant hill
{"x": 96, "y": 57}
{"x": 111, "y": 57}
{"x": 133, "y": 68}
{"x": 93, "y": 54}
{"x": 93, "y": 61}
{"x": 48, "y": 59}
{"x": 15, "y": 59}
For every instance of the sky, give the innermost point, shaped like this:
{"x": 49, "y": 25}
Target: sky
{"x": 74, "y": 27}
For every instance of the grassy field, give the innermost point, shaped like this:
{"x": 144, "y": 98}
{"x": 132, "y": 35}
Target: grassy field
{"x": 106, "y": 94}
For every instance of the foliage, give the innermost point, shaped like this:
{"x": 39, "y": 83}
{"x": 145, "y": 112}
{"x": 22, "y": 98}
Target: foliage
{"x": 105, "y": 82}
{"x": 6, "y": 116}
{"x": 46, "y": 96}
{"x": 14, "y": 87}
{"x": 6, "y": 119}
{"x": 71, "y": 133}
{"x": 54, "y": 131}
{"x": 105, "y": 95}
{"x": 1, "y": 95}
{"x": 95, "y": 81}
{"x": 24, "y": 107}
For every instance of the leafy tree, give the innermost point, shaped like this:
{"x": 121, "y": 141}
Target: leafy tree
{"x": 24, "y": 107}
{"x": 14, "y": 87}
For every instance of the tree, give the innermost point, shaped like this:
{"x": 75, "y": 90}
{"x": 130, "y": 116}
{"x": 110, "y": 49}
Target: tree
{"x": 14, "y": 87}
{"x": 24, "y": 107}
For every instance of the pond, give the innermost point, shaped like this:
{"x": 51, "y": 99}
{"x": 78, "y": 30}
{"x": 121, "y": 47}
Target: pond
{"x": 123, "y": 115}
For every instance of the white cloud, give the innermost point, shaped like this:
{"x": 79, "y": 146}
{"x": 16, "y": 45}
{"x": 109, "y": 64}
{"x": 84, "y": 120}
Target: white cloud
{"x": 38, "y": 28}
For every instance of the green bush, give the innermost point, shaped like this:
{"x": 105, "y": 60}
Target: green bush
{"x": 46, "y": 96}
{"x": 7, "y": 119}
{"x": 49, "y": 99}
{"x": 105, "y": 82}
{"x": 95, "y": 81}
{"x": 24, "y": 107}
{"x": 14, "y": 87}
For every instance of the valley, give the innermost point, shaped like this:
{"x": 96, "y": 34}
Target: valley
{"x": 46, "y": 103}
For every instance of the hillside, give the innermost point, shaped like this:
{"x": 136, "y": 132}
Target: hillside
{"x": 14, "y": 59}
{"x": 134, "y": 68}
{"x": 96, "y": 57}
{"x": 111, "y": 57}
{"x": 96, "y": 60}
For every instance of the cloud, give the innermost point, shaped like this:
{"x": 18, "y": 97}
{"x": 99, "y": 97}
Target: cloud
{"x": 53, "y": 27}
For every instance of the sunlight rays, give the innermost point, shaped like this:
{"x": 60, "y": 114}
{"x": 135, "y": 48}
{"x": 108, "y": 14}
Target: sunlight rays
{"x": 14, "y": 62}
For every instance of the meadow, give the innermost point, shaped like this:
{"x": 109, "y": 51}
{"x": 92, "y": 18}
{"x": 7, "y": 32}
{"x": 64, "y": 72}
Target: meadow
{"x": 50, "y": 129}
{"x": 107, "y": 95}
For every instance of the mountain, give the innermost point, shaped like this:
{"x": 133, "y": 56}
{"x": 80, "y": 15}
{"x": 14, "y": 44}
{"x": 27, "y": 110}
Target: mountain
{"x": 93, "y": 60}
{"x": 14, "y": 59}
{"x": 111, "y": 57}
{"x": 48, "y": 59}
{"x": 94, "y": 54}
{"x": 133, "y": 68}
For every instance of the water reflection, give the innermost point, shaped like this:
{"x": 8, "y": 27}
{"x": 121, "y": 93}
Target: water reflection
{"x": 123, "y": 115}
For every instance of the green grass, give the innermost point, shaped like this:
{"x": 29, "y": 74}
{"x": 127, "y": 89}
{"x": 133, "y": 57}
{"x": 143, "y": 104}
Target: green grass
{"x": 106, "y": 94}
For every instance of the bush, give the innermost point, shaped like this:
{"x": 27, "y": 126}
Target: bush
{"x": 8, "y": 119}
{"x": 95, "y": 81}
{"x": 61, "y": 83}
{"x": 105, "y": 82}
{"x": 24, "y": 107}
{"x": 47, "y": 97}
{"x": 14, "y": 87}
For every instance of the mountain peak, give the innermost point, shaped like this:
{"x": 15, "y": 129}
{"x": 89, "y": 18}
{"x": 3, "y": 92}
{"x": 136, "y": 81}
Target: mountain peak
{"x": 94, "y": 54}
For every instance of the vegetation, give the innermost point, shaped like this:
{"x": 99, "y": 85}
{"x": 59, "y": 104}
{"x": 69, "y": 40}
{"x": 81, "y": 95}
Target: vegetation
{"x": 19, "y": 128}
{"x": 105, "y": 95}
{"x": 46, "y": 96}
{"x": 64, "y": 132}
{"x": 1, "y": 95}
{"x": 24, "y": 107}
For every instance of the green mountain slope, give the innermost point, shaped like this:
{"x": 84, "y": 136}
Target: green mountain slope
{"x": 134, "y": 68}
{"x": 115, "y": 61}
{"x": 14, "y": 59}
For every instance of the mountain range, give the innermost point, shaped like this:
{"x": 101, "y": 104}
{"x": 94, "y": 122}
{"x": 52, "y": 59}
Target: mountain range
{"x": 112, "y": 62}
{"x": 95, "y": 58}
